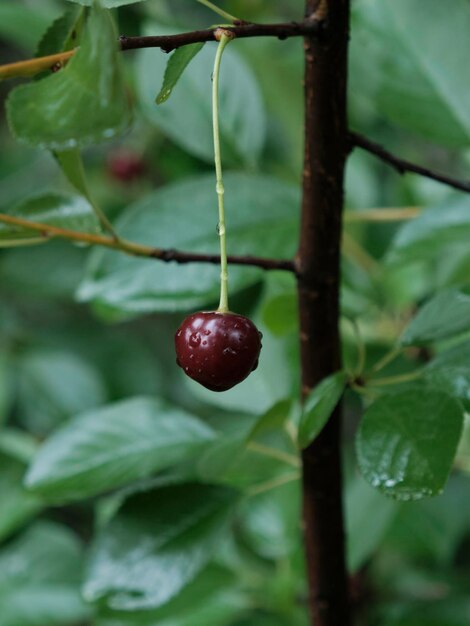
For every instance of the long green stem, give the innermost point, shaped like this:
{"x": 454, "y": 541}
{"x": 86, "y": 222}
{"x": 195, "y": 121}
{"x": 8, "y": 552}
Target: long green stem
{"x": 106, "y": 224}
{"x": 216, "y": 9}
{"x": 223, "y": 37}
{"x": 394, "y": 380}
{"x": 388, "y": 358}
{"x": 272, "y": 484}
{"x": 273, "y": 453}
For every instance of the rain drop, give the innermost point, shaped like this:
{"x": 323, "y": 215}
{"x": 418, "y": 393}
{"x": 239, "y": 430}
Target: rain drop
{"x": 195, "y": 340}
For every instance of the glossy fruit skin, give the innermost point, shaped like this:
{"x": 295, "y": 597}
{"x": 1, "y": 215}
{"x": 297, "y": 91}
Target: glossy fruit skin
{"x": 218, "y": 350}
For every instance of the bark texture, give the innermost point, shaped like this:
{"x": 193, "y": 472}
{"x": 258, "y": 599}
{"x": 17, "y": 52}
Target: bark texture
{"x": 318, "y": 265}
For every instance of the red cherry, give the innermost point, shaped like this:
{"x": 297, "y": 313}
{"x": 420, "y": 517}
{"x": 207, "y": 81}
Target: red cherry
{"x": 218, "y": 350}
{"x": 125, "y": 166}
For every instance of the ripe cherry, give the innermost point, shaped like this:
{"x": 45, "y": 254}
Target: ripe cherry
{"x": 218, "y": 350}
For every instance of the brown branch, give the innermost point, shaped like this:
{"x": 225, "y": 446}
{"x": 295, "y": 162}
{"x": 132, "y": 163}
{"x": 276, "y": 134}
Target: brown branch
{"x": 168, "y": 43}
{"x": 318, "y": 262}
{"x": 402, "y": 166}
{"x": 48, "y": 231}
{"x": 30, "y": 67}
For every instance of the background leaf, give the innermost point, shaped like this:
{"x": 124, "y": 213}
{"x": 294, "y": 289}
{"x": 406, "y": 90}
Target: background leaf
{"x": 420, "y": 88}
{"x": 83, "y": 103}
{"x": 109, "y": 4}
{"x": 369, "y": 515}
{"x": 177, "y": 63}
{"x": 396, "y": 443}
{"x": 450, "y": 372}
{"x": 63, "y": 34}
{"x": 433, "y": 232}
{"x": 39, "y": 578}
{"x": 17, "y": 505}
{"x": 113, "y": 446}
{"x": 133, "y": 567}
{"x": 445, "y": 315}
{"x": 187, "y": 119}
{"x": 69, "y": 212}
{"x": 22, "y": 27}
{"x": 319, "y": 406}
{"x": 186, "y": 219}
{"x": 54, "y": 385}
{"x": 212, "y": 599}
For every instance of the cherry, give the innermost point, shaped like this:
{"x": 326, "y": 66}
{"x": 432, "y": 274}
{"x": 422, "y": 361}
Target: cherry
{"x": 218, "y": 350}
{"x": 125, "y": 166}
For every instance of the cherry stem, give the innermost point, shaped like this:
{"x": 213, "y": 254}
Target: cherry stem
{"x": 219, "y": 11}
{"x": 223, "y": 36}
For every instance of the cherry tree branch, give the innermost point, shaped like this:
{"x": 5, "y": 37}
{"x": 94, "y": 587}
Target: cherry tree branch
{"x": 307, "y": 27}
{"x": 30, "y": 67}
{"x": 47, "y": 231}
{"x": 318, "y": 279}
{"x": 402, "y": 165}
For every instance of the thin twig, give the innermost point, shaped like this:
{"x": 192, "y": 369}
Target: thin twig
{"x": 387, "y": 358}
{"x": 394, "y": 380}
{"x": 353, "y": 249}
{"x": 273, "y": 453}
{"x": 307, "y": 27}
{"x": 403, "y": 166}
{"x": 385, "y": 214}
{"x": 136, "y": 249}
{"x": 279, "y": 481}
{"x": 168, "y": 43}
{"x": 219, "y": 11}
{"x": 30, "y": 67}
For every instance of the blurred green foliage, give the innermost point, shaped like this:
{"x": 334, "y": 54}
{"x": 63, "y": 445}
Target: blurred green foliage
{"x": 168, "y": 504}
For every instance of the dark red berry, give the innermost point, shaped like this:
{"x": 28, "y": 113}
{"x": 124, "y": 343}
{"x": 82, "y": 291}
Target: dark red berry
{"x": 125, "y": 166}
{"x": 218, "y": 350}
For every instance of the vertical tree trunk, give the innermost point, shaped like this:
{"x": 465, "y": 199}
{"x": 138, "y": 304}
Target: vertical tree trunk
{"x": 318, "y": 292}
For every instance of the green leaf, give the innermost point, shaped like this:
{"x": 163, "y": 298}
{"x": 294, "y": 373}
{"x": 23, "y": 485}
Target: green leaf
{"x": 319, "y": 406}
{"x": 114, "y": 446}
{"x": 270, "y": 521}
{"x": 280, "y": 314}
{"x": 212, "y": 599}
{"x": 51, "y": 271}
{"x": 54, "y": 385}
{"x": 157, "y": 544}
{"x": 18, "y": 444}
{"x": 71, "y": 212}
{"x": 63, "y": 34}
{"x": 16, "y": 504}
{"x": 273, "y": 419}
{"x": 23, "y": 27}
{"x": 109, "y": 4}
{"x": 186, "y": 219}
{"x": 432, "y": 232}
{"x": 187, "y": 120}
{"x": 445, "y": 315}
{"x": 431, "y": 530}
{"x": 421, "y": 89}
{"x": 6, "y": 386}
{"x": 177, "y": 63}
{"x": 369, "y": 515}
{"x": 82, "y": 104}
{"x": 72, "y": 165}
{"x": 453, "y": 610}
{"x": 396, "y": 442}
{"x": 39, "y": 578}
{"x": 450, "y": 371}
